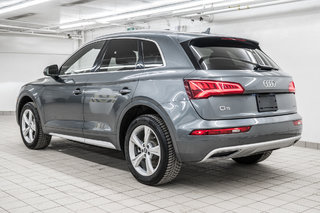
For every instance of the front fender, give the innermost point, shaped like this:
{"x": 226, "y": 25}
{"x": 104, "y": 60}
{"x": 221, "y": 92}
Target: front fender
{"x": 32, "y": 93}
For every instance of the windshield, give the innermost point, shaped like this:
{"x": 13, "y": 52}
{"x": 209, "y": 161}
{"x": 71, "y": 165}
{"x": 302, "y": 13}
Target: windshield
{"x": 231, "y": 58}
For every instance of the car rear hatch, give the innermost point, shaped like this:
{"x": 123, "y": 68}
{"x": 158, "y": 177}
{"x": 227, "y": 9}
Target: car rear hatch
{"x": 235, "y": 79}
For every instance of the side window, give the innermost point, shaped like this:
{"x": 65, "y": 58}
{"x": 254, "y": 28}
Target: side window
{"x": 151, "y": 54}
{"x": 122, "y": 54}
{"x": 83, "y": 60}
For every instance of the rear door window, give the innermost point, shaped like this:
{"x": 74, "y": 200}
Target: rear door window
{"x": 121, "y": 54}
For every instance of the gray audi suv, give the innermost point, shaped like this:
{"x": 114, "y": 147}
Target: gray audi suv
{"x": 164, "y": 98}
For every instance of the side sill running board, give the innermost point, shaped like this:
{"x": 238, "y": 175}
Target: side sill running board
{"x": 104, "y": 144}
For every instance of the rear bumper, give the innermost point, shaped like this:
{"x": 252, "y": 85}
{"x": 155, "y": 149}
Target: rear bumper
{"x": 266, "y": 133}
{"x": 249, "y": 149}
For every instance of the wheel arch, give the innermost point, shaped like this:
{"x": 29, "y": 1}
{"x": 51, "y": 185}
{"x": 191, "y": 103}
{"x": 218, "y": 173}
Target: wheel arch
{"x": 23, "y": 99}
{"x": 140, "y": 106}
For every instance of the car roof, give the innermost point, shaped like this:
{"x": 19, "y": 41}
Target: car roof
{"x": 180, "y": 36}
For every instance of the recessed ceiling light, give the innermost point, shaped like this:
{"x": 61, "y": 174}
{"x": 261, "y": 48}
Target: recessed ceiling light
{"x": 21, "y": 4}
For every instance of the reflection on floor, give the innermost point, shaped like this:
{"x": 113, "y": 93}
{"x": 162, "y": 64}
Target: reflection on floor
{"x": 69, "y": 177}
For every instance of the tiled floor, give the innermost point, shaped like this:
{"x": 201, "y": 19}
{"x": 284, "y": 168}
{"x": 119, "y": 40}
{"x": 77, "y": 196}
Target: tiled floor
{"x": 70, "y": 177}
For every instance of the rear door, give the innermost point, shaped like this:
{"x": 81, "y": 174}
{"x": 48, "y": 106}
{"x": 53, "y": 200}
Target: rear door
{"x": 225, "y": 61}
{"x": 62, "y": 97}
{"x": 110, "y": 89}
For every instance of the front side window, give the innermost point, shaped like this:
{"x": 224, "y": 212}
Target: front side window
{"x": 83, "y": 60}
{"x": 229, "y": 56}
{"x": 151, "y": 54}
{"x": 122, "y": 54}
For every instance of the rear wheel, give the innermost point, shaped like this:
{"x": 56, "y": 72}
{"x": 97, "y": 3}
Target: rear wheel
{"x": 252, "y": 159}
{"x": 149, "y": 151}
{"x": 30, "y": 128}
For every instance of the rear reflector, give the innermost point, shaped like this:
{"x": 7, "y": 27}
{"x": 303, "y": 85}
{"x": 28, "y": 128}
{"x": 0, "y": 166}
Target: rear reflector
{"x": 221, "y": 131}
{"x": 297, "y": 122}
{"x": 292, "y": 87}
{"x": 198, "y": 89}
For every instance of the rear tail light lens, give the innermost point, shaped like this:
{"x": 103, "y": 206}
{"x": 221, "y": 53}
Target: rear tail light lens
{"x": 221, "y": 131}
{"x": 297, "y": 122}
{"x": 292, "y": 87}
{"x": 198, "y": 89}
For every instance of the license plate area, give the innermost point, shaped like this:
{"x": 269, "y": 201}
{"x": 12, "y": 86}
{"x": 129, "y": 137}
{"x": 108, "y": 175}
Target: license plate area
{"x": 266, "y": 102}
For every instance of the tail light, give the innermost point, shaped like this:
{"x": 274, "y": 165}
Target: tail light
{"x": 221, "y": 131}
{"x": 292, "y": 87}
{"x": 198, "y": 89}
{"x": 297, "y": 122}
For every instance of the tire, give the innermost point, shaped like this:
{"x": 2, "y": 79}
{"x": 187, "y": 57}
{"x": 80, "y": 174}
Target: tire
{"x": 163, "y": 163}
{"x": 252, "y": 159}
{"x": 34, "y": 137}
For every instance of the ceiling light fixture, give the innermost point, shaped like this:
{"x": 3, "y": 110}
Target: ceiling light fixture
{"x": 9, "y": 3}
{"x": 20, "y": 4}
{"x": 164, "y": 9}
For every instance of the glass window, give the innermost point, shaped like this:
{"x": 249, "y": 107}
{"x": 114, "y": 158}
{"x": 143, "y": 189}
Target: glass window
{"x": 229, "y": 56}
{"x": 83, "y": 60}
{"x": 151, "y": 55}
{"x": 122, "y": 54}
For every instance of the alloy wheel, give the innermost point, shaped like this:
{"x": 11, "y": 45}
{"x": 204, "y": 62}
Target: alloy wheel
{"x": 28, "y": 125}
{"x": 144, "y": 150}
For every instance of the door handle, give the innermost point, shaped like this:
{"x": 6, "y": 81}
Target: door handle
{"x": 77, "y": 91}
{"x": 125, "y": 91}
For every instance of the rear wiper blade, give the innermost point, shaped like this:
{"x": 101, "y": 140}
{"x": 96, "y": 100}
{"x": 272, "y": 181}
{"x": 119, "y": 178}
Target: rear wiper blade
{"x": 263, "y": 67}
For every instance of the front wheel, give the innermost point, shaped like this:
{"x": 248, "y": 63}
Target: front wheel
{"x": 149, "y": 151}
{"x": 30, "y": 128}
{"x": 252, "y": 159}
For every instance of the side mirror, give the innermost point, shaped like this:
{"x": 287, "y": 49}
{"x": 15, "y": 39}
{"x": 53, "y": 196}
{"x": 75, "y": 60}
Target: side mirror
{"x": 52, "y": 71}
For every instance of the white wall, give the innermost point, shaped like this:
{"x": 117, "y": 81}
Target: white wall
{"x": 23, "y": 58}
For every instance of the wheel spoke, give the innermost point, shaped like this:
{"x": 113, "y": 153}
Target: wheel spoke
{"x": 26, "y": 120}
{"x": 149, "y": 166}
{"x": 30, "y": 117}
{"x": 146, "y": 135}
{"x": 136, "y": 141}
{"x": 31, "y": 134}
{"x": 137, "y": 160}
{"x": 155, "y": 150}
{"x": 33, "y": 126}
{"x": 25, "y": 131}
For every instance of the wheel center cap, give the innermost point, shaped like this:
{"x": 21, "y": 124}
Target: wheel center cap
{"x": 145, "y": 150}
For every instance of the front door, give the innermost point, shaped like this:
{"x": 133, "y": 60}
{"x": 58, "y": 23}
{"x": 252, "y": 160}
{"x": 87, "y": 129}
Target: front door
{"x": 63, "y": 96}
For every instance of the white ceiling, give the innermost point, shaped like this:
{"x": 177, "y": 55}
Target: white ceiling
{"x": 61, "y": 16}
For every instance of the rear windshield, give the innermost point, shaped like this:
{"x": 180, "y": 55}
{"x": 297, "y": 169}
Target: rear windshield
{"x": 229, "y": 56}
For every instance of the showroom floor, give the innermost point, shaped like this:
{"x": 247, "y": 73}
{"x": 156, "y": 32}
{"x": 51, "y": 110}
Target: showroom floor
{"x": 70, "y": 177}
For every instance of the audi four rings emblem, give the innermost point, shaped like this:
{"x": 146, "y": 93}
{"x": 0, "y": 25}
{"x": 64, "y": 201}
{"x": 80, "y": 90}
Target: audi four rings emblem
{"x": 269, "y": 83}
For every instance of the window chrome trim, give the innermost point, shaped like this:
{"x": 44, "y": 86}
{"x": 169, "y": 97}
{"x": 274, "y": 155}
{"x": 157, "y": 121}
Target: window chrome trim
{"x": 108, "y": 39}
{"x": 104, "y": 144}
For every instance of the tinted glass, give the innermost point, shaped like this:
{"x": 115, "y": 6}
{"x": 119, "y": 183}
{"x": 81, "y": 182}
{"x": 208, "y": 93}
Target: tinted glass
{"x": 122, "y": 54}
{"x": 151, "y": 54}
{"x": 230, "y": 58}
{"x": 83, "y": 60}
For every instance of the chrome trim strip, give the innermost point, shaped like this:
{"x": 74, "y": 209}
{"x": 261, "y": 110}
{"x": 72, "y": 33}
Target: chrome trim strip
{"x": 104, "y": 144}
{"x": 107, "y": 39}
{"x": 249, "y": 149}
